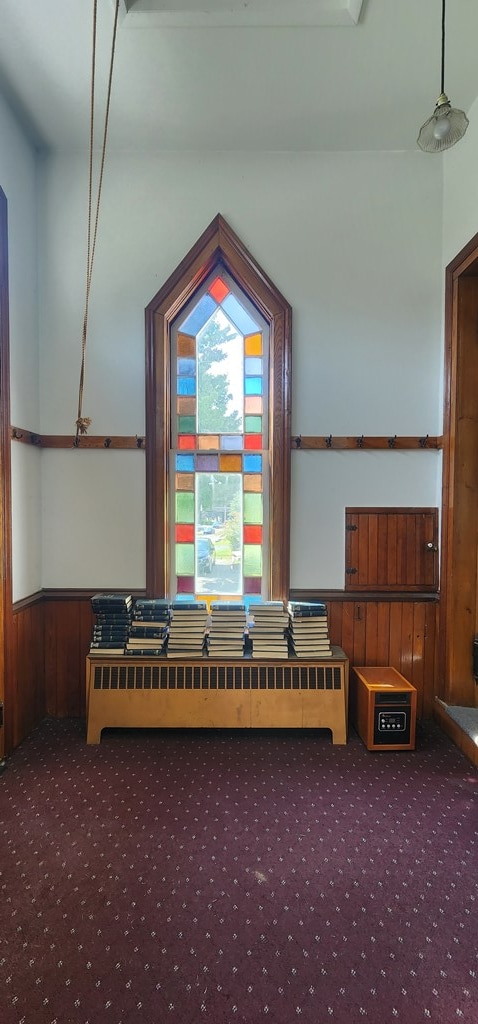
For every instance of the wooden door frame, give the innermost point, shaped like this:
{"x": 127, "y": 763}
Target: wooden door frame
{"x": 6, "y": 624}
{"x": 459, "y": 546}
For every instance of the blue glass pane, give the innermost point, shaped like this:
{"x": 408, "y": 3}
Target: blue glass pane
{"x": 232, "y": 442}
{"x": 199, "y": 315}
{"x": 187, "y": 386}
{"x": 185, "y": 464}
{"x": 253, "y": 463}
{"x": 253, "y": 386}
{"x": 187, "y": 367}
{"x": 252, "y": 365}
{"x": 239, "y": 316}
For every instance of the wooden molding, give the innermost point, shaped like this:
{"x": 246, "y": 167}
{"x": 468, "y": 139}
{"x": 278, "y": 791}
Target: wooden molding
{"x": 297, "y": 442}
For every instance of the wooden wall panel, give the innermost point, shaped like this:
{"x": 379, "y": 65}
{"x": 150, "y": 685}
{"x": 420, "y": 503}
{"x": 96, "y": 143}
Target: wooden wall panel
{"x": 68, "y": 626}
{"x": 27, "y": 690}
{"x": 52, "y": 635}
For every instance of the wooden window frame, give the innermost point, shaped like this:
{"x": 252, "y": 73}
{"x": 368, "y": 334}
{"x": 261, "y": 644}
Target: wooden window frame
{"x": 217, "y": 245}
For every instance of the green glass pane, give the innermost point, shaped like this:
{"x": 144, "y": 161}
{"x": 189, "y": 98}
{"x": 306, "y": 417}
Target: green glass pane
{"x": 185, "y": 559}
{"x": 252, "y": 560}
{"x": 187, "y": 424}
{"x": 252, "y": 508}
{"x": 184, "y": 507}
{"x": 253, "y": 425}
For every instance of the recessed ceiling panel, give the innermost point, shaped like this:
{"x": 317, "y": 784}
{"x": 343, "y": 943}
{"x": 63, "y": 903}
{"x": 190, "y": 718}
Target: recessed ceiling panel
{"x": 242, "y": 13}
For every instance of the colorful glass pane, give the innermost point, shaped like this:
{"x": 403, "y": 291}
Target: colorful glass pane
{"x": 186, "y": 424}
{"x": 252, "y": 385}
{"x": 186, "y": 442}
{"x": 253, "y": 424}
{"x": 232, "y": 442}
{"x": 253, "y": 345}
{"x": 187, "y": 367}
{"x": 219, "y": 289}
{"x": 252, "y": 559}
{"x": 230, "y": 463}
{"x": 207, "y": 463}
{"x": 253, "y": 508}
{"x": 185, "y": 507}
{"x": 199, "y": 315}
{"x": 238, "y": 314}
{"x": 186, "y": 385}
{"x": 253, "y": 586}
{"x": 253, "y": 405}
{"x": 185, "y": 463}
{"x": 253, "y": 535}
{"x": 184, "y": 533}
{"x": 185, "y": 482}
{"x": 185, "y": 559}
{"x": 185, "y": 586}
{"x": 253, "y": 463}
{"x": 186, "y": 405}
{"x": 252, "y": 481}
{"x": 252, "y": 366}
{"x": 186, "y": 346}
{"x": 253, "y": 442}
{"x": 208, "y": 442}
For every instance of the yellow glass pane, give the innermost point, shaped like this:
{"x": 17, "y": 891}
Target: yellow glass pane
{"x": 186, "y": 345}
{"x": 230, "y": 463}
{"x": 185, "y": 481}
{"x": 253, "y": 481}
{"x": 208, "y": 442}
{"x": 253, "y": 345}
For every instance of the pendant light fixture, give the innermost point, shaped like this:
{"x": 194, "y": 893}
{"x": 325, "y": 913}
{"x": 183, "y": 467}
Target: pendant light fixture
{"x": 447, "y": 125}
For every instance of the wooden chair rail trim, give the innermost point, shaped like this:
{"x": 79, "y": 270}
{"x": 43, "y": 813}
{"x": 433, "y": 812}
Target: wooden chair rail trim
{"x": 297, "y": 442}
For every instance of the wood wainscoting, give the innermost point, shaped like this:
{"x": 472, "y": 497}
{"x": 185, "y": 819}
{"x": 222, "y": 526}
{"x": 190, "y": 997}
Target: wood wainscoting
{"x": 52, "y": 632}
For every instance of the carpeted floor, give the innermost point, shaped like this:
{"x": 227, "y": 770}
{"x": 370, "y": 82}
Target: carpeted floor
{"x": 236, "y": 877}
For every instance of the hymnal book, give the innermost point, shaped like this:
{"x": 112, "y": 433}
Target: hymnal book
{"x": 106, "y": 645}
{"x": 151, "y": 603}
{"x": 189, "y": 606}
{"x": 144, "y": 652}
{"x": 304, "y": 609}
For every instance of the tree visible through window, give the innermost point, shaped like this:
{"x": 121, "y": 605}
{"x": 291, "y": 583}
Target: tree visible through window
{"x": 220, "y": 445}
{"x": 218, "y": 427}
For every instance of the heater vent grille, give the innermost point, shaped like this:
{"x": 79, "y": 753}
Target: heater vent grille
{"x": 217, "y": 677}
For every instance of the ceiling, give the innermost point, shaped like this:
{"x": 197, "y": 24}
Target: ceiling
{"x": 208, "y": 75}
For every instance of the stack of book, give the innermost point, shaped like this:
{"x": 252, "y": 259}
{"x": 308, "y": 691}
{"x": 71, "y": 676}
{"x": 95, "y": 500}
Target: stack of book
{"x": 227, "y": 629}
{"x": 149, "y": 627}
{"x": 269, "y": 630}
{"x": 308, "y": 630}
{"x": 112, "y": 622}
{"x": 187, "y": 629}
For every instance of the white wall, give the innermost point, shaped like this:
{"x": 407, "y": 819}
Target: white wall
{"x": 460, "y": 198}
{"x": 18, "y": 181}
{"x": 354, "y": 243}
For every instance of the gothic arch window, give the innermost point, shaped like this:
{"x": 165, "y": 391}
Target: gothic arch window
{"x": 218, "y": 350}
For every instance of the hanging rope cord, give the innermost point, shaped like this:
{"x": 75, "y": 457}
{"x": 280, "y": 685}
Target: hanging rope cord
{"x": 82, "y": 423}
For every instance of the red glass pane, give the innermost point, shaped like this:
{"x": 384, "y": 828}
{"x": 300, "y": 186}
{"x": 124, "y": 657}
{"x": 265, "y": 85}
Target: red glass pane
{"x": 253, "y": 441}
{"x": 218, "y": 289}
{"x": 253, "y": 535}
{"x": 186, "y": 442}
{"x": 184, "y": 533}
{"x": 185, "y": 584}
{"x": 252, "y": 584}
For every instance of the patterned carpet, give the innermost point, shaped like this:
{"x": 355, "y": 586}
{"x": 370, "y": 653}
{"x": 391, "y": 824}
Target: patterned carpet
{"x": 235, "y": 878}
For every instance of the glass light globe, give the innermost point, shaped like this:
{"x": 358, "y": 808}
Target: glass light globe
{"x": 441, "y": 128}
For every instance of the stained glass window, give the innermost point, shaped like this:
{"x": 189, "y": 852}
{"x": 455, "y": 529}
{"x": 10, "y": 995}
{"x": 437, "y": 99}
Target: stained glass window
{"x": 219, "y": 432}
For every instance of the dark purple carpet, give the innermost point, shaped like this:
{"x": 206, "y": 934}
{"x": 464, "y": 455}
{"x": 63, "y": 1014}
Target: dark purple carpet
{"x": 235, "y": 878}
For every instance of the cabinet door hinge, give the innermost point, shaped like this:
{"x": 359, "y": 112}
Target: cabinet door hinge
{"x": 351, "y": 572}
{"x": 351, "y": 527}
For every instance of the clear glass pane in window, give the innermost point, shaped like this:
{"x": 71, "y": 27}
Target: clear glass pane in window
{"x": 220, "y": 377}
{"x": 219, "y": 533}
